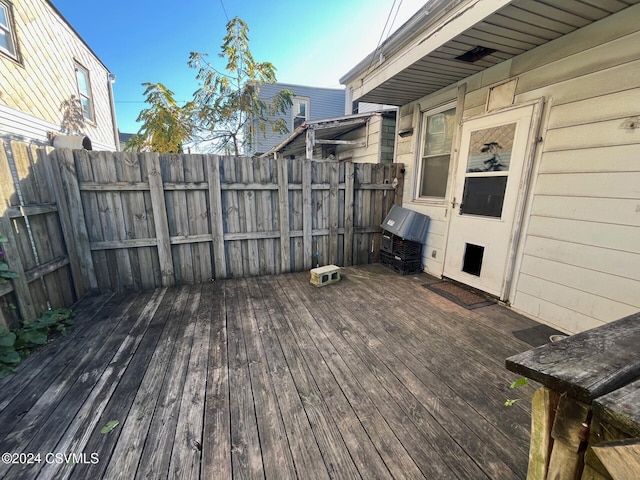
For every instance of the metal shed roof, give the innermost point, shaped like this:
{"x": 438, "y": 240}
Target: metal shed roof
{"x": 325, "y": 130}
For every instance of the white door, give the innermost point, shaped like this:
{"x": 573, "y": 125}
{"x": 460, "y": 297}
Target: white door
{"x": 488, "y": 187}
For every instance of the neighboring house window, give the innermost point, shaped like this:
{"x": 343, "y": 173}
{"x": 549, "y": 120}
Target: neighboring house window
{"x": 300, "y": 111}
{"x": 7, "y": 39}
{"x": 84, "y": 91}
{"x": 435, "y": 153}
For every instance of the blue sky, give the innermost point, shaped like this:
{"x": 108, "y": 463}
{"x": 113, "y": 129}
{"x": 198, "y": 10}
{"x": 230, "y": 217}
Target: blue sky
{"x": 310, "y": 43}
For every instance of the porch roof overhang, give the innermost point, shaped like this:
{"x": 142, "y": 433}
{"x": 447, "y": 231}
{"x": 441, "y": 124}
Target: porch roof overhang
{"x": 328, "y": 131}
{"x": 422, "y": 57}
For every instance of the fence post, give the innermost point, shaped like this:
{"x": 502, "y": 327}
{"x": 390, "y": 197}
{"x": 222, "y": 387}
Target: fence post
{"x": 400, "y": 186}
{"x": 215, "y": 206}
{"x": 348, "y": 213}
{"x": 334, "y": 168}
{"x": 68, "y": 194}
{"x": 12, "y": 254}
{"x": 307, "y": 221}
{"x": 81, "y": 275}
{"x": 283, "y": 203}
{"x": 159, "y": 208}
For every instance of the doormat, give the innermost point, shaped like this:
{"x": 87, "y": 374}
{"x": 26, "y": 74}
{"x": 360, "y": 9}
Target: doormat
{"x": 460, "y": 295}
{"x": 537, "y": 336}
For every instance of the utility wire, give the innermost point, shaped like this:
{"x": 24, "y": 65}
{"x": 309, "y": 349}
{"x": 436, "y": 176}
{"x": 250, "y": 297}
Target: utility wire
{"x": 142, "y": 101}
{"x": 224, "y": 10}
{"x": 394, "y": 19}
{"x": 382, "y": 34}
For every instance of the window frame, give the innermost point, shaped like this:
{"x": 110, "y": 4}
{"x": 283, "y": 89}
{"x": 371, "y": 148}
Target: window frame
{"x": 302, "y": 100}
{"x": 424, "y": 116}
{"x": 78, "y": 67}
{"x": 10, "y": 30}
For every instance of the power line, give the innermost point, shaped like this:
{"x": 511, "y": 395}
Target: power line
{"x": 394, "y": 19}
{"x": 224, "y": 10}
{"x": 382, "y": 34}
{"x": 142, "y": 101}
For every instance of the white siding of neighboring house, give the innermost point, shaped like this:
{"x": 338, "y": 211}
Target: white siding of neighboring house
{"x": 323, "y": 103}
{"x": 377, "y": 135}
{"x": 578, "y": 264}
{"x": 34, "y": 89}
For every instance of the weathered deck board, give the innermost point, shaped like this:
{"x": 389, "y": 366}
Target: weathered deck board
{"x": 271, "y": 377}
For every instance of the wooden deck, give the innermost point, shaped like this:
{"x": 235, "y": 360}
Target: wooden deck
{"x": 373, "y": 377}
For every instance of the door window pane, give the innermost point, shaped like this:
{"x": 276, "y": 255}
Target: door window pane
{"x": 483, "y": 196}
{"x": 490, "y": 149}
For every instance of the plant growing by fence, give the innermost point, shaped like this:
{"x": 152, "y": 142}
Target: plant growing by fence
{"x": 5, "y": 273}
{"x": 17, "y": 344}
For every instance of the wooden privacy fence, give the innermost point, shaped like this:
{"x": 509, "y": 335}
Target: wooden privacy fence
{"x": 37, "y": 242}
{"x": 152, "y": 220}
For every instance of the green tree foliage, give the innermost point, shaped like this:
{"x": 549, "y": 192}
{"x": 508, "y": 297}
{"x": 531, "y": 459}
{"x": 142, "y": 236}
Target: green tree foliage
{"x": 166, "y": 126}
{"x": 228, "y": 113}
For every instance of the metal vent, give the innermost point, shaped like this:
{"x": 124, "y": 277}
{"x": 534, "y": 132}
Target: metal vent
{"x": 475, "y": 54}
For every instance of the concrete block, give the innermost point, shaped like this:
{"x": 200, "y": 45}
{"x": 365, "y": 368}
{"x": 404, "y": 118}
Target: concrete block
{"x": 322, "y": 276}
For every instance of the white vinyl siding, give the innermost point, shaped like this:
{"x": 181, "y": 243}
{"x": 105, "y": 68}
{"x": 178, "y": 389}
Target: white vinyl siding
{"x": 322, "y": 103}
{"x": 578, "y": 264}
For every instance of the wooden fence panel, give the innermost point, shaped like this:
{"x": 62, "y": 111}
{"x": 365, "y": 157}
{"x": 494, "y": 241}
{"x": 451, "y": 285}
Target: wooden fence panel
{"x": 78, "y": 165}
{"x": 37, "y": 249}
{"x": 295, "y": 168}
{"x": 216, "y": 217}
{"x": 138, "y": 221}
{"x": 164, "y": 219}
{"x": 138, "y": 218}
{"x": 362, "y": 207}
{"x": 266, "y": 210}
{"x": 231, "y": 214}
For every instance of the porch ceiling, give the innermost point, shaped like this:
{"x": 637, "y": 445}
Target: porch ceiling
{"x": 514, "y": 29}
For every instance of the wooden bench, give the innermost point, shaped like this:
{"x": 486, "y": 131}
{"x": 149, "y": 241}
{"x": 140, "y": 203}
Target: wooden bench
{"x": 587, "y": 380}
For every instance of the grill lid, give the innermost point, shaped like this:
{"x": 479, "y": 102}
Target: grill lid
{"x": 405, "y": 223}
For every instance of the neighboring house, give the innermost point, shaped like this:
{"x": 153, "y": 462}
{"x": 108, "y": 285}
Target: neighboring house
{"x": 51, "y": 79}
{"x": 519, "y": 126}
{"x": 309, "y": 103}
{"x": 123, "y": 138}
{"x": 365, "y": 137}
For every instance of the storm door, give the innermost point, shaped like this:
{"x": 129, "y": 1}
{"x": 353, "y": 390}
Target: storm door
{"x": 488, "y": 186}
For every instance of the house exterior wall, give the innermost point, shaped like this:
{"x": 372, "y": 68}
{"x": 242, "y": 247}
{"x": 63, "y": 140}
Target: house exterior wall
{"x": 378, "y": 136}
{"x": 578, "y": 260}
{"x": 36, "y": 87}
{"x": 323, "y": 103}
